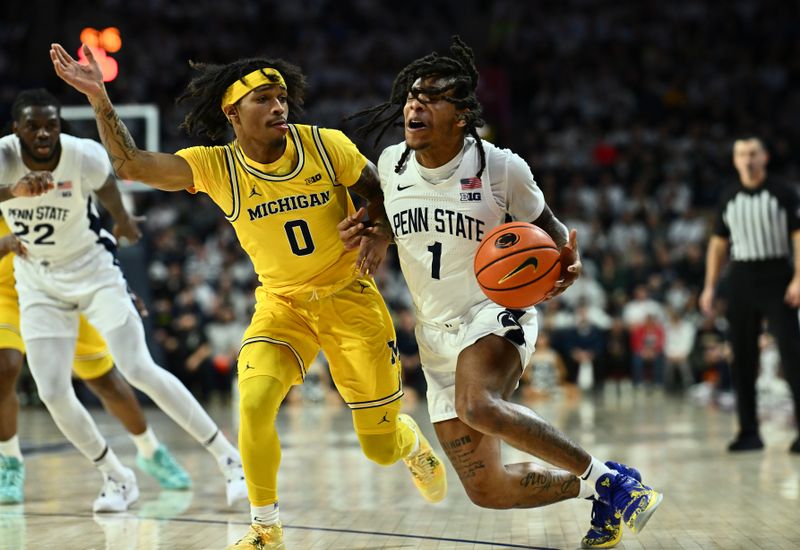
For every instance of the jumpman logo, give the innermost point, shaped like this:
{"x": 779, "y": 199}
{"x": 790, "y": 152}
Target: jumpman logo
{"x": 384, "y": 419}
{"x": 363, "y": 286}
{"x": 247, "y": 366}
{"x": 254, "y": 192}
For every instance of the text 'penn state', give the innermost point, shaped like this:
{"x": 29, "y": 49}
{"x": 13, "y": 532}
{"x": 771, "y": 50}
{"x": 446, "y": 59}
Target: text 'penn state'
{"x": 417, "y": 220}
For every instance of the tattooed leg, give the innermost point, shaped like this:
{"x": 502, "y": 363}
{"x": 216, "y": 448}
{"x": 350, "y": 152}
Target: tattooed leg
{"x": 491, "y": 484}
{"x": 486, "y": 375}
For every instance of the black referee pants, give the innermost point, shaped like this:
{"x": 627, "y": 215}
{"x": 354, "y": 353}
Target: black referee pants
{"x": 756, "y": 293}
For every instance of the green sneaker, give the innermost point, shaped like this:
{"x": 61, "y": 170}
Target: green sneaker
{"x": 165, "y": 469}
{"x": 12, "y": 477}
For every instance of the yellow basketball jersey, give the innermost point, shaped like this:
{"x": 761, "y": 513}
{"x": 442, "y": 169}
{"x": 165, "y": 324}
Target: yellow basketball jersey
{"x": 285, "y": 213}
{"x": 6, "y": 266}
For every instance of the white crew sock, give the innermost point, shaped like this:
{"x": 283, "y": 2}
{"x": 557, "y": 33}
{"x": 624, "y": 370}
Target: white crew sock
{"x": 11, "y": 448}
{"x": 221, "y": 448}
{"x": 585, "y": 490}
{"x": 146, "y": 443}
{"x": 264, "y": 515}
{"x": 109, "y": 464}
{"x": 593, "y": 472}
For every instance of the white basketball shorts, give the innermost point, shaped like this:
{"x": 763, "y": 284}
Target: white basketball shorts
{"x": 51, "y": 295}
{"x": 439, "y": 346}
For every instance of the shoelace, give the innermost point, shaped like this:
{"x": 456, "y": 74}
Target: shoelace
{"x": 423, "y": 466}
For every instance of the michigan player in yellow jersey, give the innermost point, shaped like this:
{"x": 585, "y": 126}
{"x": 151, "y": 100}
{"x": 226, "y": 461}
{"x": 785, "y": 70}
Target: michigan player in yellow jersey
{"x": 284, "y": 188}
{"x": 93, "y": 364}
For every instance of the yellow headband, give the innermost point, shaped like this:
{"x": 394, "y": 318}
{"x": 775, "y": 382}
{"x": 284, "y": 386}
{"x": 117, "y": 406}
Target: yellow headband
{"x": 248, "y": 82}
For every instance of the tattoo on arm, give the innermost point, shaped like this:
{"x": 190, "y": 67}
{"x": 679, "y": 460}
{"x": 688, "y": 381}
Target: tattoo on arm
{"x": 115, "y": 136}
{"x": 553, "y": 226}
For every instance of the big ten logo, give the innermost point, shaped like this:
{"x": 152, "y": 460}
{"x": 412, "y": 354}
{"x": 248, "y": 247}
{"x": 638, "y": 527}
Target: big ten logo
{"x": 101, "y": 43}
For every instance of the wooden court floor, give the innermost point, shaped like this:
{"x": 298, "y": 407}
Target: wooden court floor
{"x": 333, "y": 498}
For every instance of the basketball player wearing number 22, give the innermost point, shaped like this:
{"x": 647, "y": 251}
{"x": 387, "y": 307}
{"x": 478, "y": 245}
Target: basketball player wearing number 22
{"x": 445, "y": 191}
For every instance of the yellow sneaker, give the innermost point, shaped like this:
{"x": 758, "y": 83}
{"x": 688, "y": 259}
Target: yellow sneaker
{"x": 426, "y": 468}
{"x": 261, "y": 537}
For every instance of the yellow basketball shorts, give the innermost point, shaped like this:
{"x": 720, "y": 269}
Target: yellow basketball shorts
{"x": 352, "y": 327}
{"x": 92, "y": 358}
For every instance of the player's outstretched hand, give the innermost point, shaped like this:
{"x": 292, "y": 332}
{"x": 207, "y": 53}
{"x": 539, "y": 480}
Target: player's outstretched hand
{"x": 350, "y": 229}
{"x": 371, "y": 242}
{"x": 126, "y": 230}
{"x": 571, "y": 265}
{"x": 87, "y": 79}
{"x": 374, "y": 243}
{"x": 33, "y": 184}
{"x": 10, "y": 244}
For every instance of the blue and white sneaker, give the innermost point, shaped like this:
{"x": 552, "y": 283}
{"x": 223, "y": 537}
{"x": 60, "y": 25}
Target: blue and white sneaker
{"x": 606, "y": 527}
{"x": 12, "y": 478}
{"x": 634, "y": 502}
{"x": 165, "y": 469}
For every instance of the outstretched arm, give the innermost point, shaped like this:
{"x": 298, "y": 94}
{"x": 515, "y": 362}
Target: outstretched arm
{"x": 158, "y": 170}
{"x": 126, "y": 226}
{"x": 371, "y": 237}
{"x": 31, "y": 184}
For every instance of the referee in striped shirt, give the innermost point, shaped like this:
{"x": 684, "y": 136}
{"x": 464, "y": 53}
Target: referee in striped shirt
{"x": 760, "y": 220}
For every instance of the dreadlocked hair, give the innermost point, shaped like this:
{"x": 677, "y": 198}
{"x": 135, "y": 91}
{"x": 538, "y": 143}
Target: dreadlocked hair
{"x": 462, "y": 78}
{"x": 37, "y": 97}
{"x": 204, "y": 92}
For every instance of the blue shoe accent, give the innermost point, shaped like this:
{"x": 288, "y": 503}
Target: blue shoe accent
{"x": 634, "y": 502}
{"x": 165, "y": 469}
{"x": 12, "y": 479}
{"x": 606, "y": 526}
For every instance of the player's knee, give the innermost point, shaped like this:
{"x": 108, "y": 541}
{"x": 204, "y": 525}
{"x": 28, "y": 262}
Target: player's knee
{"x": 484, "y": 491}
{"x": 259, "y": 398}
{"x": 382, "y": 449}
{"x": 54, "y": 396}
{"x": 10, "y": 367}
{"x": 477, "y": 409}
{"x": 107, "y": 386}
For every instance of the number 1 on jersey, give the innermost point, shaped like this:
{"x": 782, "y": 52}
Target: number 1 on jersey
{"x": 436, "y": 264}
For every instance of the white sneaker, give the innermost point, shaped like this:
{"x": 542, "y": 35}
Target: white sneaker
{"x": 235, "y": 486}
{"x": 117, "y": 494}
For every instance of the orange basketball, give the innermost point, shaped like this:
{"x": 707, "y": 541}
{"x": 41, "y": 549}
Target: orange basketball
{"x": 517, "y": 264}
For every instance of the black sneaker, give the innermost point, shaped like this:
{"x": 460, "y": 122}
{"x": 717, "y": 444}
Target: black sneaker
{"x": 750, "y": 442}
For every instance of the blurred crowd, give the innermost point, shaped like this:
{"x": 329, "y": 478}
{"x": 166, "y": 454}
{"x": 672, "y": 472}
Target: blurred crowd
{"x": 625, "y": 111}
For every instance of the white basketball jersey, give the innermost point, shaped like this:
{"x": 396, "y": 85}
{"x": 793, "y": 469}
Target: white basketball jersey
{"x": 438, "y": 226}
{"x": 63, "y": 223}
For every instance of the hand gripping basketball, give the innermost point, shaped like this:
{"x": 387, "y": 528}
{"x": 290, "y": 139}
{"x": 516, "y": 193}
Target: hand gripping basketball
{"x": 518, "y": 264}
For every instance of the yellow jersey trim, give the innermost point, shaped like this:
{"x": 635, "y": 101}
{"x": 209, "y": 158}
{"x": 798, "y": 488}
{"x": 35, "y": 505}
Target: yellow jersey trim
{"x": 301, "y": 159}
{"x": 269, "y": 340}
{"x": 234, "y": 180}
{"x": 377, "y": 402}
{"x": 323, "y": 153}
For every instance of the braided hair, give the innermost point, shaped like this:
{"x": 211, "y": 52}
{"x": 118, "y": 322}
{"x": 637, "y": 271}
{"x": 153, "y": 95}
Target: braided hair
{"x": 204, "y": 92}
{"x": 461, "y": 76}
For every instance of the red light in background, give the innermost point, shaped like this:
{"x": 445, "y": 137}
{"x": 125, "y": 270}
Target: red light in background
{"x": 100, "y": 43}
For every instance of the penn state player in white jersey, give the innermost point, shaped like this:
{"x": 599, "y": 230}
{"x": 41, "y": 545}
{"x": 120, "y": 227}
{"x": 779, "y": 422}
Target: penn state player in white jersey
{"x": 69, "y": 268}
{"x": 444, "y": 189}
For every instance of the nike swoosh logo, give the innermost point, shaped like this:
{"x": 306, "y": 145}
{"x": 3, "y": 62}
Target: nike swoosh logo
{"x": 532, "y": 261}
{"x": 403, "y": 187}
